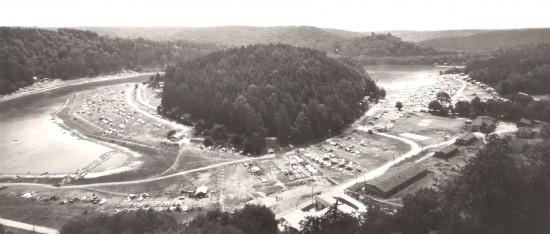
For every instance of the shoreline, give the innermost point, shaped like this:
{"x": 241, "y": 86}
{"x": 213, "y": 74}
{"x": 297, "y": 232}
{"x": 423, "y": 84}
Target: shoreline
{"x": 78, "y": 135}
{"x": 81, "y": 136}
{"x": 69, "y": 83}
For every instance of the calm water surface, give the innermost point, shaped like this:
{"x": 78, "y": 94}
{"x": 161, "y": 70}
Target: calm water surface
{"x": 31, "y": 142}
{"x": 402, "y": 77}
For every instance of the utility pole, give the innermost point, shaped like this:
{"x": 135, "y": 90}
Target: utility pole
{"x": 312, "y": 194}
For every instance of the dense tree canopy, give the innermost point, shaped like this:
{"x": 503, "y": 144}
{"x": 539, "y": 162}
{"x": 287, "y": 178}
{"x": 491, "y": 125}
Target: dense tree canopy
{"x": 525, "y": 68}
{"x": 252, "y": 219}
{"x": 388, "y": 49}
{"x": 385, "y": 45}
{"x": 139, "y": 222}
{"x": 491, "y": 39}
{"x": 278, "y": 90}
{"x": 70, "y": 53}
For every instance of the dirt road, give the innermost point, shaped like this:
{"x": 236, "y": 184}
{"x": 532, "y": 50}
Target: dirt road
{"x": 131, "y": 91}
{"x": 28, "y": 227}
{"x": 459, "y": 92}
{"x": 147, "y": 179}
{"x": 139, "y": 97}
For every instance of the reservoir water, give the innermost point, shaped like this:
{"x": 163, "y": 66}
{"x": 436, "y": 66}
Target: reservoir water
{"x": 30, "y": 142}
{"x": 403, "y": 77}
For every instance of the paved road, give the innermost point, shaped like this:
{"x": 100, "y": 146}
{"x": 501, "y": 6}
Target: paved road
{"x": 28, "y": 227}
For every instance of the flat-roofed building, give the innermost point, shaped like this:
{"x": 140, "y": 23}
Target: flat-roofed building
{"x": 385, "y": 187}
{"x": 446, "y": 152}
{"x": 466, "y": 139}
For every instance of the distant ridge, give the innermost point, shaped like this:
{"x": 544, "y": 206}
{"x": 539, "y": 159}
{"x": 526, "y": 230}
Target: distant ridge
{"x": 418, "y": 36}
{"x": 492, "y": 40}
{"x": 303, "y": 36}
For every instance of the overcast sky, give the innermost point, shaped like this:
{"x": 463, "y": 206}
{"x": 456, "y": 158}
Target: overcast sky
{"x": 355, "y": 15}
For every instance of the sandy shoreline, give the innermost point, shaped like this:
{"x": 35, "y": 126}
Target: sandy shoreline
{"x": 68, "y": 83}
{"x": 73, "y": 131}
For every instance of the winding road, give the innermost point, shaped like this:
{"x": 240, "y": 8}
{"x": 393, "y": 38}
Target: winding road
{"x": 146, "y": 179}
{"x": 337, "y": 191}
{"x": 415, "y": 150}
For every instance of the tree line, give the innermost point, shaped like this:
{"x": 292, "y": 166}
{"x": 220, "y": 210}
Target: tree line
{"x": 26, "y": 53}
{"x": 523, "y": 68}
{"x": 520, "y": 106}
{"x": 491, "y": 39}
{"x": 252, "y": 219}
{"x": 295, "y": 94}
{"x": 389, "y": 49}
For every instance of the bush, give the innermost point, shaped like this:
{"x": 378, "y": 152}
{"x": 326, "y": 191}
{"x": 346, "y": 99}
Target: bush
{"x": 170, "y": 133}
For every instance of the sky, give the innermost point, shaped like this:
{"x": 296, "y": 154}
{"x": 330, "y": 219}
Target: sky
{"x": 353, "y": 15}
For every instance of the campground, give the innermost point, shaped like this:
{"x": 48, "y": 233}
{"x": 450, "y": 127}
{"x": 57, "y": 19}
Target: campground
{"x": 282, "y": 181}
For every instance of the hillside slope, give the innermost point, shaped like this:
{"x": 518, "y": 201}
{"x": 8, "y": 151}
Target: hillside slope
{"x": 523, "y": 68}
{"x": 384, "y": 45}
{"x": 296, "y": 94}
{"x": 491, "y": 40}
{"x": 303, "y": 36}
{"x": 70, "y": 53}
{"x": 418, "y": 36}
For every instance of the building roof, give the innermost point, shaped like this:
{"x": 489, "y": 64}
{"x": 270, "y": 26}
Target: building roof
{"x": 325, "y": 200}
{"x": 295, "y": 217}
{"x": 525, "y": 131}
{"x": 201, "y": 189}
{"x": 488, "y": 120}
{"x": 467, "y": 137}
{"x": 525, "y": 121}
{"x": 448, "y": 149}
{"x": 389, "y": 183}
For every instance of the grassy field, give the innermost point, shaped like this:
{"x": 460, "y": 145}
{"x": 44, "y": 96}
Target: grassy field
{"x": 49, "y": 214}
{"x": 435, "y": 128}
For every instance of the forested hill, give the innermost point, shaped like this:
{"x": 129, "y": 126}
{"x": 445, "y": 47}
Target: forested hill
{"x": 381, "y": 45}
{"x": 296, "y": 94}
{"x": 70, "y": 53}
{"x": 389, "y": 49}
{"x": 373, "y": 49}
{"x": 492, "y": 40}
{"x": 302, "y": 36}
{"x": 418, "y": 36}
{"x": 524, "y": 68}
